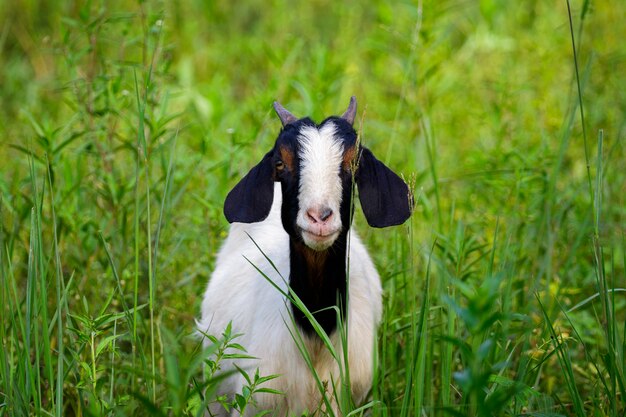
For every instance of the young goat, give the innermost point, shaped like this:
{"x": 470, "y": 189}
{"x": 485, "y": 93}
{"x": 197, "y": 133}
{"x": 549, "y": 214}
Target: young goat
{"x": 296, "y": 205}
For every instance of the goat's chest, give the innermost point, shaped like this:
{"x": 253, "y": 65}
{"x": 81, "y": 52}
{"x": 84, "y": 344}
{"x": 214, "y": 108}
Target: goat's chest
{"x": 299, "y": 375}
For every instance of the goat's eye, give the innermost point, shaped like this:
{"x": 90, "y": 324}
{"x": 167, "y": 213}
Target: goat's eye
{"x": 279, "y": 165}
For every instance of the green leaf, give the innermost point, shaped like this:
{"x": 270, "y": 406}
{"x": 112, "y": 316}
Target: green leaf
{"x": 106, "y": 342}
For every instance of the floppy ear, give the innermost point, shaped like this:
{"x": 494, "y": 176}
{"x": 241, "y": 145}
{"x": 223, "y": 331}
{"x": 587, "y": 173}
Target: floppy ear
{"x": 251, "y": 199}
{"x": 384, "y": 195}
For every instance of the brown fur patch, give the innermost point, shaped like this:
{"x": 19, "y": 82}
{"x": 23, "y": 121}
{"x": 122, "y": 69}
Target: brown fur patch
{"x": 315, "y": 261}
{"x": 348, "y": 157}
{"x": 287, "y": 157}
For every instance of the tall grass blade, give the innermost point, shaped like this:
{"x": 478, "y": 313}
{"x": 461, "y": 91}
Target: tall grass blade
{"x": 415, "y": 367}
{"x": 580, "y": 94}
{"x": 565, "y": 362}
{"x": 59, "y": 290}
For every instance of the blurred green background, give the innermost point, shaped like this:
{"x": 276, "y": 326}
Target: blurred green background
{"x": 134, "y": 119}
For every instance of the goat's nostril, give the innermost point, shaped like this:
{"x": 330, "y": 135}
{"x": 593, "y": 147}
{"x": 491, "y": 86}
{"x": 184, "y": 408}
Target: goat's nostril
{"x": 325, "y": 214}
{"x": 319, "y": 216}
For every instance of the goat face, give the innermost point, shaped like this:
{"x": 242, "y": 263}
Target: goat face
{"x": 314, "y": 164}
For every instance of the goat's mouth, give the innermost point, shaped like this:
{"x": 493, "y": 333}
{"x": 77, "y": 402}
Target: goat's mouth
{"x": 319, "y": 239}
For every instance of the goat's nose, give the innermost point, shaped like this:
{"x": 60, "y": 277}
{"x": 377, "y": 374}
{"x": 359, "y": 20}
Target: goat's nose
{"x": 319, "y": 215}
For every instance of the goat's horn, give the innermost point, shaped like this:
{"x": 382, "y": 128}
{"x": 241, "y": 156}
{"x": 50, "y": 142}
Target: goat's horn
{"x": 283, "y": 114}
{"x": 350, "y": 114}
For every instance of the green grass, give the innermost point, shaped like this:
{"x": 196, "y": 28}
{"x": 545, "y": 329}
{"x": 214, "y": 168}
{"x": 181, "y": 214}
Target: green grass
{"x": 124, "y": 125}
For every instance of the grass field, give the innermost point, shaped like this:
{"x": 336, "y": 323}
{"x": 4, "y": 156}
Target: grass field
{"x": 124, "y": 124}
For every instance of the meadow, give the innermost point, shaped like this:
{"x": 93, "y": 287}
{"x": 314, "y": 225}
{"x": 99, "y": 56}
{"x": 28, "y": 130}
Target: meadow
{"x": 123, "y": 125}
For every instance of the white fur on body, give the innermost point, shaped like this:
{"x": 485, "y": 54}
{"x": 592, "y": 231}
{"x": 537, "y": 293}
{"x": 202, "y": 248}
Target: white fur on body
{"x": 239, "y": 293}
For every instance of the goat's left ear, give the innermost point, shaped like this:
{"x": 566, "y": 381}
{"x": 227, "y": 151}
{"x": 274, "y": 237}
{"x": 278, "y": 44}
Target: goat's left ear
{"x": 251, "y": 199}
{"x": 384, "y": 195}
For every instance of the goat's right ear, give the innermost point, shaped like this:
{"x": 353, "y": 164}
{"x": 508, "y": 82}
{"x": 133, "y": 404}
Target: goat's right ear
{"x": 385, "y": 197}
{"x": 251, "y": 199}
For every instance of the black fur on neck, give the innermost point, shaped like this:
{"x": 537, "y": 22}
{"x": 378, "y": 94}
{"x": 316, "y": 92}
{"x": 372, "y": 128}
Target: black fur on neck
{"x": 319, "y": 279}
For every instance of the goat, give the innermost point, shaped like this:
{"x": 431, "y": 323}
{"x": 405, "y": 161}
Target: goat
{"x": 294, "y": 209}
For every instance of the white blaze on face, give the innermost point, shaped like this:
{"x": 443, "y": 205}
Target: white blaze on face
{"x": 321, "y": 155}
